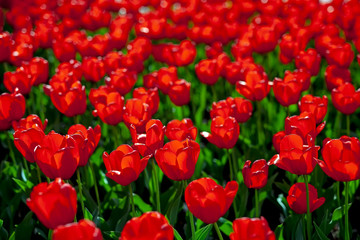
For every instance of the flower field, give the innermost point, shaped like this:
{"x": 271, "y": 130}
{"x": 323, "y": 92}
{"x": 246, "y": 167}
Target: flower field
{"x": 174, "y": 119}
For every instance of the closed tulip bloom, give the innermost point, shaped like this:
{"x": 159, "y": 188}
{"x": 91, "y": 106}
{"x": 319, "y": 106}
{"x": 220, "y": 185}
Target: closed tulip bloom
{"x": 18, "y": 80}
{"x": 207, "y": 71}
{"x": 31, "y": 121}
{"x": 255, "y": 87}
{"x": 336, "y": 76}
{"x": 151, "y": 140}
{"x": 209, "y": 201}
{"x": 316, "y": 105}
{"x": 12, "y": 109}
{"x": 177, "y": 159}
{"x": 345, "y": 98}
{"x": 82, "y": 230}
{"x": 122, "y": 80}
{"x": 299, "y": 75}
{"x": 276, "y": 139}
{"x": 124, "y": 164}
{"x": 255, "y": 176}
{"x": 297, "y": 198}
{"x": 251, "y": 228}
{"x": 287, "y": 91}
{"x": 222, "y": 109}
{"x": 86, "y": 140}
{"x": 303, "y": 125}
{"x": 112, "y": 61}
{"x": 108, "y": 103}
{"x": 93, "y": 69}
{"x": 38, "y": 69}
{"x": 166, "y": 77}
{"x": 179, "y": 92}
{"x": 296, "y": 157}
{"x": 181, "y": 130}
{"x": 150, "y": 225}
{"x": 57, "y": 156}
{"x": 224, "y": 132}
{"x": 309, "y": 60}
{"x": 26, "y": 140}
{"x": 341, "y": 55}
{"x": 242, "y": 108}
{"x": 149, "y": 96}
{"x": 341, "y": 158}
{"x": 53, "y": 203}
{"x": 136, "y": 112}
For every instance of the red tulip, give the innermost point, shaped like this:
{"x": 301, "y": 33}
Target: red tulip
{"x": 95, "y": 18}
{"x": 296, "y": 157}
{"x": 122, "y": 80}
{"x": 18, "y": 80}
{"x": 177, "y": 159}
{"x": 12, "y": 108}
{"x": 149, "y": 96}
{"x": 166, "y": 77}
{"x": 287, "y": 91}
{"x": 86, "y": 140}
{"x": 341, "y": 55}
{"x": 310, "y": 60}
{"x": 345, "y": 98}
{"x": 209, "y": 201}
{"x": 315, "y": 105}
{"x": 181, "y": 130}
{"x": 341, "y": 158}
{"x": 57, "y": 156}
{"x": 233, "y": 72}
{"x": 207, "y": 71}
{"x": 31, "y": 121}
{"x": 238, "y": 108}
{"x": 108, "y": 104}
{"x": 112, "y": 61}
{"x": 335, "y": 77}
{"x": 141, "y": 46}
{"x": 38, "y": 69}
{"x": 276, "y": 139}
{"x": 299, "y": 75}
{"x": 265, "y": 39}
{"x": 64, "y": 50}
{"x": 93, "y": 69}
{"x": 124, "y": 164}
{"x": 152, "y": 140}
{"x": 26, "y": 140}
{"x": 5, "y": 43}
{"x": 136, "y": 112}
{"x": 297, "y": 198}
{"x": 119, "y": 30}
{"x": 82, "y": 230}
{"x": 53, "y": 203}
{"x": 179, "y": 92}
{"x": 224, "y": 132}
{"x": 255, "y": 87}
{"x": 150, "y": 225}
{"x": 251, "y": 228}
{"x": 255, "y": 176}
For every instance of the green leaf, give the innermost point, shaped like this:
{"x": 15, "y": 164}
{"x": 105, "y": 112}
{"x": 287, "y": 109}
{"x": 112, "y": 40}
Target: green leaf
{"x": 225, "y": 226}
{"x": 144, "y": 207}
{"x": 202, "y": 233}
{"x": 87, "y": 214}
{"x": 177, "y": 235}
{"x": 3, "y": 233}
{"x": 279, "y": 232}
{"x": 25, "y": 228}
{"x": 23, "y": 185}
{"x": 293, "y": 227}
{"x": 320, "y": 233}
{"x": 339, "y": 213}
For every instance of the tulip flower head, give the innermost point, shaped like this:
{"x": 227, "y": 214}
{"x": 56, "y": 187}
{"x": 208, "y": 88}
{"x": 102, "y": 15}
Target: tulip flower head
{"x": 82, "y": 230}
{"x": 181, "y": 130}
{"x": 255, "y": 176}
{"x": 251, "y": 228}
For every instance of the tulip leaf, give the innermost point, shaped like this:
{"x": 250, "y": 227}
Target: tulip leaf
{"x": 111, "y": 234}
{"x": 225, "y": 226}
{"x": 339, "y": 213}
{"x": 279, "y": 232}
{"x": 320, "y": 233}
{"x": 202, "y": 233}
{"x": 25, "y": 228}
{"x": 177, "y": 235}
{"x": 23, "y": 185}
{"x": 144, "y": 207}
{"x": 87, "y": 214}
{"x": 293, "y": 227}
{"x": 3, "y": 233}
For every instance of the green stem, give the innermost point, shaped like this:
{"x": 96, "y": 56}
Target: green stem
{"x": 218, "y": 231}
{"x": 230, "y": 165}
{"x": 11, "y": 150}
{"x": 26, "y": 167}
{"x": 38, "y": 173}
{"x": 260, "y": 131}
{"x": 132, "y": 200}
{"x": 288, "y": 111}
{"x": 257, "y": 203}
{"x": 191, "y": 216}
{"x": 117, "y": 135}
{"x": 214, "y": 93}
{"x": 50, "y": 233}
{"x": 95, "y": 185}
{"x": 308, "y": 214}
{"x": 348, "y": 125}
{"x": 347, "y": 235}
{"x": 156, "y": 186}
{"x": 80, "y": 191}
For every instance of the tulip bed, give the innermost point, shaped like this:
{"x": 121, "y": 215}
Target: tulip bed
{"x": 166, "y": 119}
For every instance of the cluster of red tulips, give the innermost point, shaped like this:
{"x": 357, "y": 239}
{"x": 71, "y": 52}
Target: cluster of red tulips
{"x": 145, "y": 67}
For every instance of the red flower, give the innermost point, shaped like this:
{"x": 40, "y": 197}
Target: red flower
{"x": 64, "y": 50}
{"x": 82, "y": 230}
{"x": 255, "y": 87}
{"x": 5, "y": 44}
{"x": 177, "y": 159}
{"x": 315, "y": 105}
{"x": 251, "y": 228}
{"x": 207, "y": 71}
{"x": 224, "y": 132}
{"x": 209, "y": 201}
{"x": 57, "y": 156}
{"x": 179, "y": 92}
{"x": 31, "y": 121}
{"x": 149, "y": 96}
{"x": 122, "y": 80}
{"x": 166, "y": 77}
{"x": 53, "y": 203}
{"x": 299, "y": 75}
{"x": 341, "y": 158}
{"x": 276, "y": 139}
{"x": 238, "y": 108}
{"x": 310, "y": 60}
{"x": 181, "y": 130}
{"x": 26, "y": 140}
{"x": 136, "y": 112}
{"x": 18, "y": 80}
{"x": 108, "y": 104}
{"x": 297, "y": 198}
{"x": 255, "y": 176}
{"x": 38, "y": 69}
{"x": 112, "y": 61}
{"x": 86, "y": 140}
{"x": 341, "y": 55}
{"x": 152, "y": 140}
{"x": 345, "y": 98}
{"x": 93, "y": 69}
{"x": 295, "y": 157}
{"x": 124, "y": 164}
{"x": 335, "y": 77}
{"x": 12, "y": 108}
{"x": 150, "y": 225}
{"x": 264, "y": 39}
{"x": 287, "y": 91}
